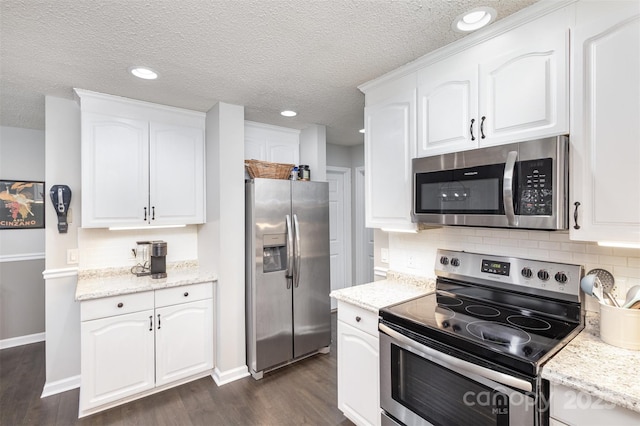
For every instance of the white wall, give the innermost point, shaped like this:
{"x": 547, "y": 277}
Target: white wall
{"x": 624, "y": 264}
{"x": 313, "y": 148}
{"x": 221, "y": 239}
{"x": 62, "y": 313}
{"x": 21, "y": 250}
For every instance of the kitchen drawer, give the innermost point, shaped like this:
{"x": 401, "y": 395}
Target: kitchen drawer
{"x": 116, "y": 305}
{"x": 359, "y": 318}
{"x": 184, "y": 294}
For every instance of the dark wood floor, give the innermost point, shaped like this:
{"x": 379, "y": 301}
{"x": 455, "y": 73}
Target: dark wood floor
{"x": 304, "y": 393}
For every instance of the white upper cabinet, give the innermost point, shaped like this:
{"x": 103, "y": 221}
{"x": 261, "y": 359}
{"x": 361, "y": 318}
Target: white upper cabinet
{"x": 176, "y": 170}
{"x": 510, "y": 88}
{"x": 390, "y": 144}
{"x": 524, "y": 83}
{"x": 447, "y": 106}
{"x": 115, "y": 172}
{"x": 271, "y": 143}
{"x": 605, "y": 134}
{"x": 142, "y": 164}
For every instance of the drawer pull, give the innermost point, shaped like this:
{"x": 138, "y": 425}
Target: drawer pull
{"x": 186, "y": 293}
{"x": 120, "y": 305}
{"x": 358, "y": 319}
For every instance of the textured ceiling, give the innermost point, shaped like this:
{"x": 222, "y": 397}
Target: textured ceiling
{"x": 268, "y": 55}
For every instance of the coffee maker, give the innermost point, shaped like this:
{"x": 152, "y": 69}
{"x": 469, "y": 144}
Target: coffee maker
{"x": 158, "y": 259}
{"x": 142, "y": 252}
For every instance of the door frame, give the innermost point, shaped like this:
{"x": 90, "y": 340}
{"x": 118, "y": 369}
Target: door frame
{"x": 348, "y": 268}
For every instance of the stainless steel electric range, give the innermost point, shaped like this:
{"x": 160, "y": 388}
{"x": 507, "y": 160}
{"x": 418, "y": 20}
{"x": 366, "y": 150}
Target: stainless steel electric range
{"x": 471, "y": 353}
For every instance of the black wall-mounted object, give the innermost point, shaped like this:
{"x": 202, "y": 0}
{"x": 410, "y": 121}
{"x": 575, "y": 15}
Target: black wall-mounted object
{"x": 61, "y": 199}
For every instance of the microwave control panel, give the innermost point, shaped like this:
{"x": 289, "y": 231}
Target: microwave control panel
{"x": 535, "y": 187}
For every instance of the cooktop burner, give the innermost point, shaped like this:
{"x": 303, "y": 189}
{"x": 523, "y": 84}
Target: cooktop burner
{"x": 497, "y": 316}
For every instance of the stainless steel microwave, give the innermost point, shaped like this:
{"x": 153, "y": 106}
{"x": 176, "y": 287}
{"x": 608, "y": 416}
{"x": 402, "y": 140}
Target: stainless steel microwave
{"x": 519, "y": 185}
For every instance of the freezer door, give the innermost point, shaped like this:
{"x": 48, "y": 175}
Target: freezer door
{"x": 269, "y": 299}
{"x": 311, "y": 302}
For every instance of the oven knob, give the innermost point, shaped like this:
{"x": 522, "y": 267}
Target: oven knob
{"x": 561, "y": 277}
{"x": 444, "y": 260}
{"x": 526, "y": 272}
{"x": 455, "y": 262}
{"x": 445, "y": 324}
{"x": 543, "y": 275}
{"x": 456, "y": 328}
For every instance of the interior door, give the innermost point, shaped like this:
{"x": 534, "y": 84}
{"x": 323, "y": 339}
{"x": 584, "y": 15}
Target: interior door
{"x": 311, "y": 303}
{"x": 339, "y": 228}
{"x": 364, "y": 235}
{"x": 270, "y": 296}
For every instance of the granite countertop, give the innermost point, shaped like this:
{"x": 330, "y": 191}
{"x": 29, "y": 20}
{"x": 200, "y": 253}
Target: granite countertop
{"x": 378, "y": 294}
{"x": 94, "y": 284}
{"x": 588, "y": 364}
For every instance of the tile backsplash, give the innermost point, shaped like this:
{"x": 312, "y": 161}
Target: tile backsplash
{"x": 416, "y": 253}
{"x": 101, "y": 248}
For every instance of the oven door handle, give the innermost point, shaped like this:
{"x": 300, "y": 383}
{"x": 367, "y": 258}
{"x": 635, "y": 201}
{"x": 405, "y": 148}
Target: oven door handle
{"x": 454, "y": 363}
{"x": 507, "y": 188}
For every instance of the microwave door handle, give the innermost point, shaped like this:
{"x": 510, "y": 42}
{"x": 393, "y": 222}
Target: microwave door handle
{"x": 457, "y": 364}
{"x": 507, "y": 188}
{"x": 289, "y": 274}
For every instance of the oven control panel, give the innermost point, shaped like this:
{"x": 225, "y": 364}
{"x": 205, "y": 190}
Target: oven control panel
{"x": 559, "y": 280}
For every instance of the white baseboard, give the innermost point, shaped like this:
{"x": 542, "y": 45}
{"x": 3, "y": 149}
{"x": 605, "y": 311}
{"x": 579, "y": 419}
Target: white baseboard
{"x": 60, "y": 386}
{"x": 224, "y": 377}
{"x": 21, "y": 340}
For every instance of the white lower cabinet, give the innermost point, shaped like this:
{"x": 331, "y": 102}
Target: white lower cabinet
{"x": 117, "y": 358}
{"x": 572, "y": 407}
{"x": 136, "y": 344}
{"x": 181, "y": 347}
{"x": 358, "y": 365}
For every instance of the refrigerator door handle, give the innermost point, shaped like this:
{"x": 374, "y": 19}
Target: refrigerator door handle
{"x": 296, "y": 270}
{"x": 289, "y": 274}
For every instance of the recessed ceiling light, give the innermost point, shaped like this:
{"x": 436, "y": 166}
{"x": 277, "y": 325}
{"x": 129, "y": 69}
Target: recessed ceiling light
{"x": 288, "y": 113}
{"x": 361, "y": 130}
{"x": 474, "y": 19}
{"x": 144, "y": 73}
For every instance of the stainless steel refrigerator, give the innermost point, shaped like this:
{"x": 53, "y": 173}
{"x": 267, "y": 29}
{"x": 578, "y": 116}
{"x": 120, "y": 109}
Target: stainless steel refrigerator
{"x": 287, "y": 272}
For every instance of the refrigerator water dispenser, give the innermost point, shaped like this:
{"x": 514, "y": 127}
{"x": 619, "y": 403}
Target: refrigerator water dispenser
{"x": 274, "y": 256}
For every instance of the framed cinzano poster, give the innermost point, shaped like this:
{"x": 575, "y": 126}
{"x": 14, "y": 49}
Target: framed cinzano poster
{"x": 21, "y": 204}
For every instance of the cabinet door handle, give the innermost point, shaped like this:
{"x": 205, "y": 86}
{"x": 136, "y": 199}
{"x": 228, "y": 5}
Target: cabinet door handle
{"x": 186, "y": 293}
{"x": 120, "y": 305}
{"x": 145, "y": 214}
{"x": 482, "y": 127}
{"x": 575, "y": 215}
{"x": 473, "y": 120}
{"x": 358, "y": 319}
{"x": 158, "y": 321}
{"x": 153, "y": 213}
{"x": 150, "y": 322}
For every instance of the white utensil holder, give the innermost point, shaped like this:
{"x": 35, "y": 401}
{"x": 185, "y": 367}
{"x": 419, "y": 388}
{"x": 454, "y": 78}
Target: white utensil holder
{"x": 620, "y": 327}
